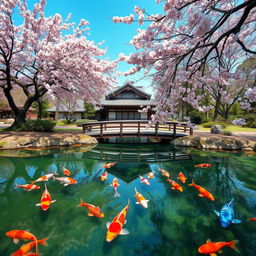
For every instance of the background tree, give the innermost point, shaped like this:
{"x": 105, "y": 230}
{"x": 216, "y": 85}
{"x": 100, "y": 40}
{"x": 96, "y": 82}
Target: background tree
{"x": 180, "y": 43}
{"x": 41, "y": 107}
{"x": 89, "y": 110}
{"x": 37, "y": 57}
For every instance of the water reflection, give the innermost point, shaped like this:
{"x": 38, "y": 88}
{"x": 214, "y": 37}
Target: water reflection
{"x": 174, "y": 224}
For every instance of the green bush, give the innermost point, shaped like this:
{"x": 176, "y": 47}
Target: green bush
{"x": 228, "y": 133}
{"x": 197, "y": 117}
{"x": 210, "y": 124}
{"x": 250, "y": 120}
{"x": 38, "y": 125}
{"x": 253, "y": 125}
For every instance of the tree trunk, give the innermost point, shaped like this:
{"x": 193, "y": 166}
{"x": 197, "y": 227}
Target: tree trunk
{"x": 217, "y": 107}
{"x": 20, "y": 119}
{"x": 40, "y": 109}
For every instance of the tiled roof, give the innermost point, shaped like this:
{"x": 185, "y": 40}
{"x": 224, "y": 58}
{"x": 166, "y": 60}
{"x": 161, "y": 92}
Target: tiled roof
{"x": 127, "y": 102}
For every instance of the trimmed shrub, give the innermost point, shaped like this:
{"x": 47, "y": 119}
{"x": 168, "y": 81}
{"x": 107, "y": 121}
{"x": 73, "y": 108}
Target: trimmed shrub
{"x": 210, "y": 124}
{"x": 38, "y": 125}
{"x": 228, "y": 133}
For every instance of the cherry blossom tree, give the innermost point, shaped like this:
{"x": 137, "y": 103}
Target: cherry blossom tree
{"x": 48, "y": 56}
{"x": 180, "y": 44}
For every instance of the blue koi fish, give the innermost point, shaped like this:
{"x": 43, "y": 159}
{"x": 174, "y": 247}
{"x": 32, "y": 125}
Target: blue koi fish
{"x": 226, "y": 215}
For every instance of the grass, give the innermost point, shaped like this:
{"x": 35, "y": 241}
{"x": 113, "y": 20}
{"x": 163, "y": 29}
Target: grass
{"x": 77, "y": 129}
{"x": 231, "y": 128}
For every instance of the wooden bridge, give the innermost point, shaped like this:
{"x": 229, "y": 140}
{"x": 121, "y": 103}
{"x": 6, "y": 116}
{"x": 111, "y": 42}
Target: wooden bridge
{"x": 136, "y": 128}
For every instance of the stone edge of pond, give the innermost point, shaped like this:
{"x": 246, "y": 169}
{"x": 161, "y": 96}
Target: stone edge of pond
{"x": 42, "y": 140}
{"x": 216, "y": 143}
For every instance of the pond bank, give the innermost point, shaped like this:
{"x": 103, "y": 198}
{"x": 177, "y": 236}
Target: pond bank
{"x": 205, "y": 140}
{"x": 16, "y": 140}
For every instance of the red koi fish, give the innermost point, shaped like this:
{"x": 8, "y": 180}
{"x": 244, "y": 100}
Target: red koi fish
{"x": 203, "y": 165}
{"x": 175, "y": 185}
{"x": 108, "y": 165}
{"x": 93, "y": 210}
{"x": 202, "y": 191}
{"x": 144, "y": 180}
{"x": 28, "y": 187}
{"x": 44, "y": 178}
{"x": 17, "y": 235}
{"x": 66, "y": 172}
{"x": 65, "y": 180}
{"x": 115, "y": 228}
{"x": 104, "y": 176}
{"x": 182, "y": 178}
{"x": 151, "y": 175}
{"x": 164, "y": 173}
{"x": 46, "y": 200}
{"x": 25, "y": 248}
{"x": 140, "y": 199}
{"x": 253, "y": 219}
{"x": 213, "y": 247}
{"x": 115, "y": 185}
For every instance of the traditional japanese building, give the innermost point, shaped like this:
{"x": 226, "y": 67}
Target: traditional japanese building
{"x": 124, "y": 103}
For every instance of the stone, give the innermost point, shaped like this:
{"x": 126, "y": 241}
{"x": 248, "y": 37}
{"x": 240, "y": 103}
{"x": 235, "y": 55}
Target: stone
{"x": 216, "y": 129}
{"x": 26, "y": 141}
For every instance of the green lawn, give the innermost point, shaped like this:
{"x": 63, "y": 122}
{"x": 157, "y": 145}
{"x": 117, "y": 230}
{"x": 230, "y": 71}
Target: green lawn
{"x": 232, "y": 128}
{"x": 77, "y": 129}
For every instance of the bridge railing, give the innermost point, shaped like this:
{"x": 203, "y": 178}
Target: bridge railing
{"x": 138, "y": 125}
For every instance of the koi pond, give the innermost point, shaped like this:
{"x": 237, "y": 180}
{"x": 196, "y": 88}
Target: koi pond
{"x": 175, "y": 223}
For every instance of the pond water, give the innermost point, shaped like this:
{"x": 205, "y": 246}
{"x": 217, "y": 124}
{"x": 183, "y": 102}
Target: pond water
{"x": 174, "y": 223}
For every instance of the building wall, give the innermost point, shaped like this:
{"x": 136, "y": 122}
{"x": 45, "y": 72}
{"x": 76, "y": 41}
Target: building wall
{"x": 111, "y": 115}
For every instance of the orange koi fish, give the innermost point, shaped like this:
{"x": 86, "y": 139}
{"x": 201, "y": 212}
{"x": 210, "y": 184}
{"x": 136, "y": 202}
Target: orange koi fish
{"x": 203, "y": 165}
{"x": 182, "y": 178}
{"x": 253, "y": 219}
{"x": 213, "y": 247}
{"x": 44, "y": 178}
{"x": 28, "y": 187}
{"x": 31, "y": 254}
{"x": 93, "y": 210}
{"x": 108, "y": 165}
{"x": 140, "y": 199}
{"x": 164, "y": 173}
{"x": 144, "y": 180}
{"x": 175, "y": 185}
{"x": 46, "y": 200}
{"x": 202, "y": 191}
{"x": 65, "y": 180}
{"x": 115, "y": 228}
{"x": 115, "y": 185}
{"x": 25, "y": 248}
{"x": 104, "y": 176}
{"x": 17, "y": 235}
{"x": 151, "y": 175}
{"x": 66, "y": 171}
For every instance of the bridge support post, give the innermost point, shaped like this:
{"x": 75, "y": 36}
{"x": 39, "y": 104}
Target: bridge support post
{"x": 101, "y": 130}
{"x": 138, "y": 128}
{"x": 174, "y": 130}
{"x": 191, "y": 131}
{"x": 156, "y": 128}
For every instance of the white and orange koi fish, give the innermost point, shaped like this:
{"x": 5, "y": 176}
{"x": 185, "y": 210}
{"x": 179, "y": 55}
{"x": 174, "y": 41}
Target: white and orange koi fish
{"x": 66, "y": 171}
{"x": 164, "y": 173}
{"x": 144, "y": 180}
{"x": 104, "y": 176}
{"x": 65, "y": 180}
{"x": 46, "y": 200}
{"x": 28, "y": 187}
{"x": 108, "y": 165}
{"x": 44, "y": 178}
{"x": 115, "y": 228}
{"x": 151, "y": 175}
{"x": 115, "y": 185}
{"x": 141, "y": 199}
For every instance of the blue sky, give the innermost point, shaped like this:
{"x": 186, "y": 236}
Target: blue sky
{"x": 99, "y": 13}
